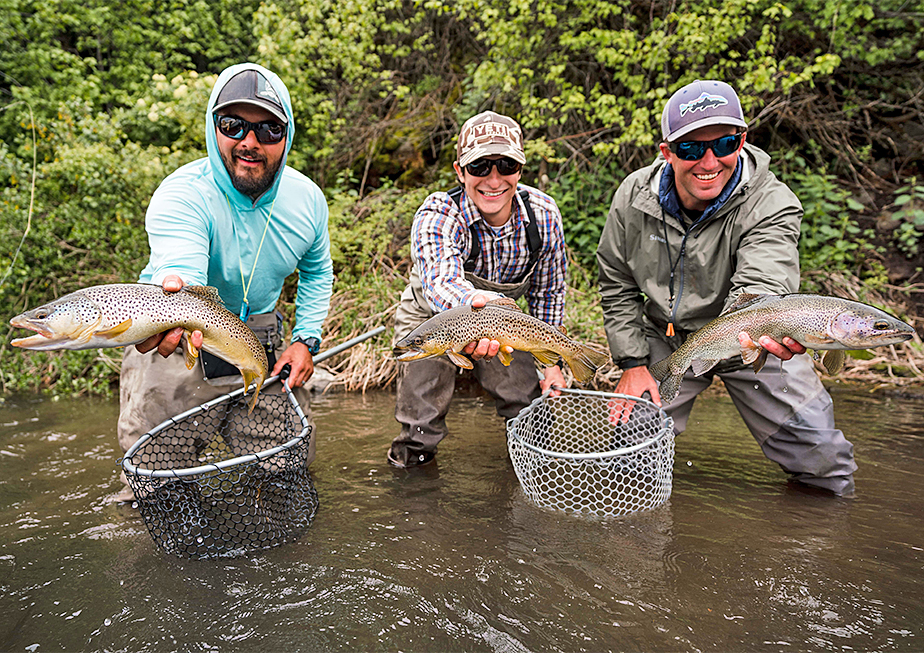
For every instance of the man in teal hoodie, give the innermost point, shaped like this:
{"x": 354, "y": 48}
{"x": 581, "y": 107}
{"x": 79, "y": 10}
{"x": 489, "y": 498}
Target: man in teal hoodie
{"x": 242, "y": 221}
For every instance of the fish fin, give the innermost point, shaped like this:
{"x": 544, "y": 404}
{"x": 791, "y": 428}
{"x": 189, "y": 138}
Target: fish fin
{"x": 562, "y": 329}
{"x": 584, "y": 365}
{"x": 116, "y": 330}
{"x": 250, "y": 377}
{"x": 459, "y": 359}
{"x": 546, "y": 357}
{"x": 669, "y": 387}
{"x": 504, "y": 356}
{"x": 190, "y": 352}
{"x": 750, "y": 354}
{"x": 833, "y": 360}
{"x": 702, "y": 365}
{"x": 760, "y": 360}
{"x": 205, "y": 292}
{"x": 661, "y": 369}
{"x": 505, "y": 302}
{"x": 743, "y": 300}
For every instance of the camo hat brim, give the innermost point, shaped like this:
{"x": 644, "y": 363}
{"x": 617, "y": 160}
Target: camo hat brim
{"x": 701, "y": 104}
{"x": 489, "y": 133}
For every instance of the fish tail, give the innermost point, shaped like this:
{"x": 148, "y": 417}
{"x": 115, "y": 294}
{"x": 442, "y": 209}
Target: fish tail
{"x": 669, "y": 387}
{"x": 584, "y": 364}
{"x": 660, "y": 369}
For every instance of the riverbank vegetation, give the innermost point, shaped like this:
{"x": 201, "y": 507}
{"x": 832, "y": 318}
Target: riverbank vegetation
{"x": 99, "y": 101}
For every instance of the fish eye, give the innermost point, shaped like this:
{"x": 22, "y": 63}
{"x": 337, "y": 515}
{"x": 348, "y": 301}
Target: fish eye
{"x": 418, "y": 340}
{"x": 42, "y": 313}
{"x": 881, "y": 325}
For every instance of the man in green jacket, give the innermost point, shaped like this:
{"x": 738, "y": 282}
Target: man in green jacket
{"x": 684, "y": 237}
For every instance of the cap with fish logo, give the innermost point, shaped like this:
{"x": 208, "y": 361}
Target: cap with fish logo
{"x": 700, "y": 104}
{"x": 250, "y": 87}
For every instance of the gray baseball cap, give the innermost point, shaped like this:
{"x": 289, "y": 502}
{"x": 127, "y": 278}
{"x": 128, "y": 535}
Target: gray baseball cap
{"x": 250, "y": 87}
{"x": 701, "y": 104}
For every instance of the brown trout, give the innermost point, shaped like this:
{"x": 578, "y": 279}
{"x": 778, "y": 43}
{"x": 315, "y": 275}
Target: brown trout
{"x": 120, "y": 314}
{"x": 502, "y": 320}
{"x": 828, "y": 324}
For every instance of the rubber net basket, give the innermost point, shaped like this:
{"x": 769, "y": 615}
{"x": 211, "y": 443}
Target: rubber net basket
{"x": 217, "y": 481}
{"x": 570, "y": 455}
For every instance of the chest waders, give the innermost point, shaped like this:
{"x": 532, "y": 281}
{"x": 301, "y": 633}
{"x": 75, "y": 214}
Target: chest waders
{"x": 425, "y": 387}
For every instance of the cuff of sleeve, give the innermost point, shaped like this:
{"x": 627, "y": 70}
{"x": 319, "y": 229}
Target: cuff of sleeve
{"x": 628, "y": 363}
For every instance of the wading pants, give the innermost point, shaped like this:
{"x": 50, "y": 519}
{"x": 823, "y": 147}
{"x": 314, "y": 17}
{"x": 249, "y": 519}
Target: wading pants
{"x": 790, "y": 414}
{"x": 425, "y": 387}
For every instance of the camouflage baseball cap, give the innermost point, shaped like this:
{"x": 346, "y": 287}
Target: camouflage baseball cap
{"x": 250, "y": 87}
{"x": 701, "y": 104}
{"x": 490, "y": 133}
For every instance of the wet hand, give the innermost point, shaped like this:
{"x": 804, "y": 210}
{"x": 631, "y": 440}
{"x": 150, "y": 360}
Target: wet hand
{"x": 783, "y": 350}
{"x": 166, "y": 342}
{"x": 634, "y": 382}
{"x": 301, "y": 364}
{"x": 554, "y": 378}
{"x": 485, "y": 348}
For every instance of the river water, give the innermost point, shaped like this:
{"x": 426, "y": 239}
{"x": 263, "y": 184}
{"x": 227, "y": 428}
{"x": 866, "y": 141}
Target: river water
{"x": 454, "y": 557}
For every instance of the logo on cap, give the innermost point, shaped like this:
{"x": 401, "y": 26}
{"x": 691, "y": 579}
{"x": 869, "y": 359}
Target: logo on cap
{"x": 490, "y": 133}
{"x": 703, "y": 103}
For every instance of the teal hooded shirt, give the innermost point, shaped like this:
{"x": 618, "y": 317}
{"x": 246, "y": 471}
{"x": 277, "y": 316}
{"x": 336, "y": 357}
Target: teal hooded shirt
{"x": 206, "y": 232}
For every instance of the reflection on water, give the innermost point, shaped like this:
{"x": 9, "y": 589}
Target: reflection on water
{"x": 454, "y": 557}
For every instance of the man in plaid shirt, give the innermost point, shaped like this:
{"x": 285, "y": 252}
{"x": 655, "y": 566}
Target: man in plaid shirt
{"x": 488, "y": 238}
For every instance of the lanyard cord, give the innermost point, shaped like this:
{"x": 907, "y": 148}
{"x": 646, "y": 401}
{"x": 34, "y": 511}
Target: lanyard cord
{"x": 672, "y": 305}
{"x": 245, "y": 307}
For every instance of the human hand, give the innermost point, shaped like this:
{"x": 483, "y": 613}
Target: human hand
{"x": 485, "y": 348}
{"x": 553, "y": 378}
{"x": 166, "y": 342}
{"x": 783, "y": 350}
{"x": 634, "y": 382}
{"x": 301, "y": 364}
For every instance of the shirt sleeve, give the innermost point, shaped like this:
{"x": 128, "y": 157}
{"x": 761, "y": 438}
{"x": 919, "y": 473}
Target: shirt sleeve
{"x": 437, "y": 239}
{"x": 315, "y": 277}
{"x": 546, "y": 294}
{"x": 178, "y": 234}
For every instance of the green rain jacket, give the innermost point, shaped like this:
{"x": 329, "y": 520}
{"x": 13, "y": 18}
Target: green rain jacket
{"x": 748, "y": 245}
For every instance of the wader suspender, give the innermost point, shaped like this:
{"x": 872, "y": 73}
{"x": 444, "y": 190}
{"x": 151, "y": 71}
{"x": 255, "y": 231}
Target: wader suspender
{"x": 533, "y": 239}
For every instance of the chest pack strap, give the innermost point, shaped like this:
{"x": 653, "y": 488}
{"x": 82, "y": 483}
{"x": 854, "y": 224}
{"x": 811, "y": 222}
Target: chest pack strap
{"x": 533, "y": 240}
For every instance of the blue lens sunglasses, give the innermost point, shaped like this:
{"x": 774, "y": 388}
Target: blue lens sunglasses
{"x": 696, "y": 150}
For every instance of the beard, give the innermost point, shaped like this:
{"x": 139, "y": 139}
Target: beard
{"x": 255, "y": 184}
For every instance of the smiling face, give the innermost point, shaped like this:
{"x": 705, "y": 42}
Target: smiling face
{"x": 251, "y": 164}
{"x": 700, "y": 182}
{"x": 493, "y": 195}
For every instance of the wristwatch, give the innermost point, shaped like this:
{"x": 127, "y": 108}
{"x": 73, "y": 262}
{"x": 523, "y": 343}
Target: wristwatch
{"x": 313, "y": 344}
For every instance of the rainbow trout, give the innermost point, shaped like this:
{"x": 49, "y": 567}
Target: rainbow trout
{"x": 502, "y": 320}
{"x": 120, "y": 314}
{"x": 828, "y": 324}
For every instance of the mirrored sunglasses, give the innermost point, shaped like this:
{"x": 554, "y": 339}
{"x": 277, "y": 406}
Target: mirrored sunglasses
{"x": 268, "y": 132}
{"x": 696, "y": 150}
{"x": 482, "y": 167}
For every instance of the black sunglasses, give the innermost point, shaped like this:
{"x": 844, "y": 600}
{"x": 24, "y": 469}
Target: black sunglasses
{"x": 696, "y": 150}
{"x": 268, "y": 132}
{"x": 482, "y": 167}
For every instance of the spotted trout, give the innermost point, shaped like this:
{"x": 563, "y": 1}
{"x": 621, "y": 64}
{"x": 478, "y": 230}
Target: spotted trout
{"x": 825, "y": 324}
{"x": 120, "y": 314}
{"x": 502, "y": 320}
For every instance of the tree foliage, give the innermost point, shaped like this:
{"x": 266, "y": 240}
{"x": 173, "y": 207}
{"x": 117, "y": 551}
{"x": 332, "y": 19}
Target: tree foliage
{"x": 116, "y": 94}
